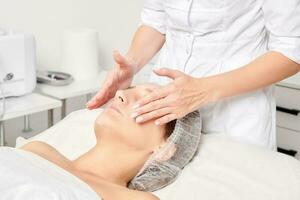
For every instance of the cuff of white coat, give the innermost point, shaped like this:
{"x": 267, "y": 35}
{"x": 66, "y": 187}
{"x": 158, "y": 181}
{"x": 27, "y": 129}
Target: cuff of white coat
{"x": 288, "y": 46}
{"x": 153, "y": 19}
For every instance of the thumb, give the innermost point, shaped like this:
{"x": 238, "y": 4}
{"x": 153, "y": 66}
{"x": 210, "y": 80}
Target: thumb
{"x": 119, "y": 59}
{"x": 170, "y": 73}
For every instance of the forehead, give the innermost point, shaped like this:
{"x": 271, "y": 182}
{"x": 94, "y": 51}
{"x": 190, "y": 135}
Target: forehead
{"x": 146, "y": 87}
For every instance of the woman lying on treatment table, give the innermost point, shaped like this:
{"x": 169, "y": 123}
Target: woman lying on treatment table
{"x": 123, "y": 147}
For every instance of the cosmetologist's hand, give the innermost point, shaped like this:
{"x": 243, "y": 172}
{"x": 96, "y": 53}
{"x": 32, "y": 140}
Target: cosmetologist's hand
{"x": 118, "y": 78}
{"x": 183, "y": 95}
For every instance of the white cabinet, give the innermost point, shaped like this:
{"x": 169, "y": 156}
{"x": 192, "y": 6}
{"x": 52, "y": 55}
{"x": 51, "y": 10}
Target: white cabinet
{"x": 288, "y": 139}
{"x": 288, "y": 118}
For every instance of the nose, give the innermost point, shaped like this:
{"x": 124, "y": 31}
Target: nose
{"x": 121, "y": 97}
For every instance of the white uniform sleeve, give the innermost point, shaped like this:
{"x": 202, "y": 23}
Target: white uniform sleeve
{"x": 283, "y": 23}
{"x": 153, "y": 15}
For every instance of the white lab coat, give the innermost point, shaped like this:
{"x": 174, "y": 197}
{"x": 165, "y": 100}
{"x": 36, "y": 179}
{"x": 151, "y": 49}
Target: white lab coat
{"x": 208, "y": 37}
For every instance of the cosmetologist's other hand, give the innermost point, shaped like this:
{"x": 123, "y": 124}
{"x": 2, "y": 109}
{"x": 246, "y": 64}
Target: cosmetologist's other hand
{"x": 118, "y": 78}
{"x": 183, "y": 95}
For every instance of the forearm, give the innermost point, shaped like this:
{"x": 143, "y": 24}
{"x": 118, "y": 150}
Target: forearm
{"x": 145, "y": 44}
{"x": 268, "y": 69}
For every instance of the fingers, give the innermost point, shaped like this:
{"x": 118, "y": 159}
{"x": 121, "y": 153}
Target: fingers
{"x": 159, "y": 94}
{"x": 152, "y": 110}
{"x": 154, "y": 105}
{"x": 153, "y": 115}
{"x": 166, "y": 119}
{"x": 103, "y": 96}
{"x": 119, "y": 59}
{"x": 111, "y": 83}
{"x": 170, "y": 73}
{"x": 98, "y": 100}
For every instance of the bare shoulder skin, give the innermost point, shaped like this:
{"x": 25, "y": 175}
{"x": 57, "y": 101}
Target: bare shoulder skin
{"x": 105, "y": 189}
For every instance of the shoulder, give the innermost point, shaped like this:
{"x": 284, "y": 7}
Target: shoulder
{"x": 145, "y": 195}
{"x": 47, "y": 152}
{"x": 137, "y": 195}
{"x": 109, "y": 191}
{"x": 152, "y": 197}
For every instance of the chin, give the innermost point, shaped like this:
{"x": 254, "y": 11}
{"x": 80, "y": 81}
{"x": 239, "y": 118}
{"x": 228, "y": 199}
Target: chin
{"x": 123, "y": 128}
{"x": 103, "y": 122}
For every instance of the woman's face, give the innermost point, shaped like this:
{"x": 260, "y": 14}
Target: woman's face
{"x": 115, "y": 123}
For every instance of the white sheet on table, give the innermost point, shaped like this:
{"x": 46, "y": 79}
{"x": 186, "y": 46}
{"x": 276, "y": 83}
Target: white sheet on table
{"x": 227, "y": 170}
{"x": 26, "y": 176}
{"x": 222, "y": 170}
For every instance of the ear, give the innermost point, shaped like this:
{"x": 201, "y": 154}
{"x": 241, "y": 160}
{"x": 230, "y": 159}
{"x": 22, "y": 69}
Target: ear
{"x": 167, "y": 151}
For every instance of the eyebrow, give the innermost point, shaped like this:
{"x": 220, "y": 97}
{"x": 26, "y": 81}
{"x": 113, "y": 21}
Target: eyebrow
{"x": 132, "y": 87}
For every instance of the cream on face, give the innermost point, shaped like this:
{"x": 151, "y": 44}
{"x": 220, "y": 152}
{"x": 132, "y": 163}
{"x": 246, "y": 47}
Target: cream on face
{"x": 116, "y": 117}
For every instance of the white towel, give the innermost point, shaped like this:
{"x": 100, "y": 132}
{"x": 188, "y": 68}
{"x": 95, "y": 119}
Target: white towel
{"x": 27, "y": 176}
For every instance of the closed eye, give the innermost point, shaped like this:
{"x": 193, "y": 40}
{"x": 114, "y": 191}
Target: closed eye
{"x": 148, "y": 90}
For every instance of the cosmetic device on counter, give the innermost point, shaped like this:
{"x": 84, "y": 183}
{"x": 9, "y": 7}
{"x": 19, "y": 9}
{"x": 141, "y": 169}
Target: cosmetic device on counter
{"x": 17, "y": 63}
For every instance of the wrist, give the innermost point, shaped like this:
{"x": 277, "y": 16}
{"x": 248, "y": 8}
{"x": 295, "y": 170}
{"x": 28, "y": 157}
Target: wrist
{"x": 133, "y": 62}
{"x": 211, "y": 87}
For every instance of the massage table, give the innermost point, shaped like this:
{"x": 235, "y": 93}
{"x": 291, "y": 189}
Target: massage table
{"x": 223, "y": 169}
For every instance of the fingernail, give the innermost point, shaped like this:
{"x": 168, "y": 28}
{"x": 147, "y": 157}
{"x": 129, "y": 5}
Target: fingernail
{"x": 136, "y": 106}
{"x": 134, "y": 115}
{"x": 157, "y": 123}
{"x": 139, "y": 119}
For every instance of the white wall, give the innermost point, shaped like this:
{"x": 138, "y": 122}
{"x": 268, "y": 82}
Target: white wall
{"x": 116, "y": 21}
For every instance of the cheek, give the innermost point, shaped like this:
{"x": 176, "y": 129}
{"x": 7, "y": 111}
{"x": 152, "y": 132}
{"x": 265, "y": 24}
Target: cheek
{"x": 127, "y": 131}
{"x": 146, "y": 136}
{"x": 122, "y": 128}
{"x": 134, "y": 135}
{"x": 105, "y": 121}
{"x": 99, "y": 124}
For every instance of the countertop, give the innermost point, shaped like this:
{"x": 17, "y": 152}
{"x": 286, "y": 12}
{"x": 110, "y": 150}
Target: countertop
{"x": 292, "y": 82}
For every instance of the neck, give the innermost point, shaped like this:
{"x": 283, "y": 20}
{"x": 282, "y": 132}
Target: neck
{"x": 111, "y": 161}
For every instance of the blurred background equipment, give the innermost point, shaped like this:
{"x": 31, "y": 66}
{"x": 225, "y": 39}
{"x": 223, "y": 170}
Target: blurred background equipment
{"x": 80, "y": 53}
{"x": 54, "y": 78}
{"x": 17, "y": 63}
